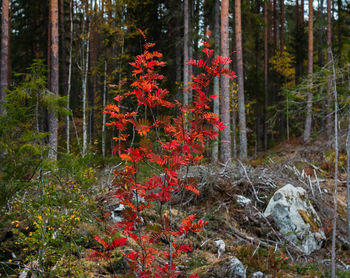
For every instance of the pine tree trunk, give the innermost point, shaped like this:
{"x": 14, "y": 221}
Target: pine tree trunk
{"x": 186, "y": 54}
{"x": 329, "y": 80}
{"x": 225, "y": 87}
{"x": 308, "y": 121}
{"x": 241, "y": 106}
{"x": 54, "y": 77}
{"x": 69, "y": 83}
{"x": 216, "y": 104}
{"x": 4, "y": 72}
{"x": 282, "y": 26}
{"x": 319, "y": 34}
{"x": 339, "y": 28}
{"x": 266, "y": 72}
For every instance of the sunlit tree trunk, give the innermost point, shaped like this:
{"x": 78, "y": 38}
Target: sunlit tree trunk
{"x": 241, "y": 106}
{"x": 4, "y": 52}
{"x": 54, "y": 77}
{"x": 216, "y": 105}
{"x": 308, "y": 121}
{"x": 225, "y": 87}
{"x": 84, "y": 71}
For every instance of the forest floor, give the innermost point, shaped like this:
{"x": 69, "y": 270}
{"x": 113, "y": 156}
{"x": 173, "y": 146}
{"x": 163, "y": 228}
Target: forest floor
{"x": 247, "y": 234}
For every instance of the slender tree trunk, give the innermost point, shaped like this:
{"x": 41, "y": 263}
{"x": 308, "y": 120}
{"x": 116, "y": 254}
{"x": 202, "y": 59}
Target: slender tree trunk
{"x": 216, "y": 104}
{"x": 234, "y": 127}
{"x": 104, "y": 97}
{"x": 225, "y": 87}
{"x": 84, "y": 88}
{"x": 335, "y": 196}
{"x": 85, "y": 69}
{"x": 282, "y": 26}
{"x": 69, "y": 85}
{"x": 308, "y": 121}
{"x": 54, "y": 77}
{"x": 329, "y": 79}
{"x": 241, "y": 106}
{"x": 4, "y": 72}
{"x": 186, "y": 54}
{"x": 348, "y": 165}
{"x": 339, "y": 28}
{"x": 190, "y": 46}
{"x": 274, "y": 24}
{"x": 319, "y": 33}
{"x": 266, "y": 72}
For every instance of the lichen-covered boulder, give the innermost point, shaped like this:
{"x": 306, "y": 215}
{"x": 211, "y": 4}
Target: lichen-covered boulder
{"x": 296, "y": 218}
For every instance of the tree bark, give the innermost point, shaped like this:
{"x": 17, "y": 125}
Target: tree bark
{"x": 308, "y": 121}
{"x": 336, "y": 150}
{"x": 4, "y": 72}
{"x": 348, "y": 174}
{"x": 329, "y": 128}
{"x": 266, "y": 72}
{"x": 241, "y": 106}
{"x": 216, "y": 104}
{"x": 69, "y": 83}
{"x": 54, "y": 77}
{"x": 84, "y": 71}
{"x": 104, "y": 99}
{"x": 186, "y": 54}
{"x": 225, "y": 87}
{"x": 282, "y": 26}
{"x": 319, "y": 34}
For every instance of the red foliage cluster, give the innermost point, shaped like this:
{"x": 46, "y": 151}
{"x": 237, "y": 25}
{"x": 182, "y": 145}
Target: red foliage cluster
{"x": 181, "y": 140}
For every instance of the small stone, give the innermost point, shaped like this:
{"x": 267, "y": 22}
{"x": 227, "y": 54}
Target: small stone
{"x": 243, "y": 201}
{"x": 220, "y": 244}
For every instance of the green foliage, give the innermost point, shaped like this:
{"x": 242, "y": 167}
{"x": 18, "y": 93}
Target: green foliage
{"x": 48, "y": 219}
{"x": 22, "y": 135}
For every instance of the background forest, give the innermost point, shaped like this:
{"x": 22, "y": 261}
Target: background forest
{"x": 63, "y": 61}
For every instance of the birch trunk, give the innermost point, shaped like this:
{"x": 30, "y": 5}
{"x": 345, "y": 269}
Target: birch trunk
{"x": 225, "y": 87}
{"x": 329, "y": 80}
{"x": 335, "y": 196}
{"x": 69, "y": 82}
{"x": 308, "y": 121}
{"x": 85, "y": 68}
{"x": 104, "y": 115}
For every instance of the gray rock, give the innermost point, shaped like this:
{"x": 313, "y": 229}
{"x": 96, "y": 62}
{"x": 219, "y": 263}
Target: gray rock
{"x": 235, "y": 268}
{"x": 258, "y": 274}
{"x": 230, "y": 267}
{"x": 243, "y": 201}
{"x": 220, "y": 244}
{"x": 296, "y": 218}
